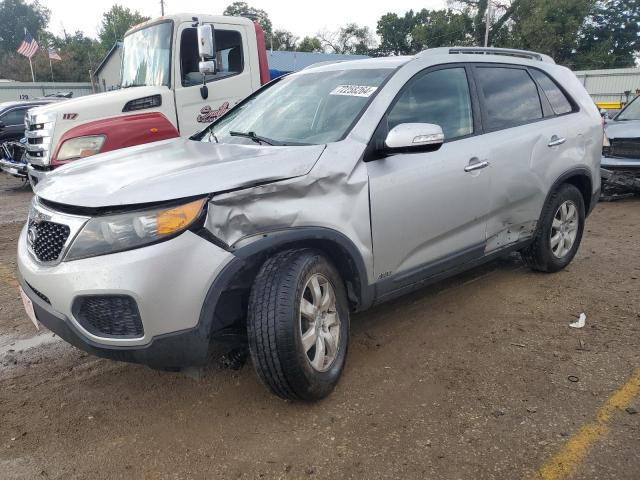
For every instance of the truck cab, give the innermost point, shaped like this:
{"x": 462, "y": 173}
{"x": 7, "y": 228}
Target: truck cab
{"x": 163, "y": 94}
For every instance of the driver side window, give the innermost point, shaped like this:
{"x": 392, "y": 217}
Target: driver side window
{"x": 439, "y": 97}
{"x": 229, "y": 56}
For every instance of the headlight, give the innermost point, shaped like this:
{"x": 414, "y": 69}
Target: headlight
{"x": 606, "y": 145}
{"x": 115, "y": 233}
{"x": 81, "y": 147}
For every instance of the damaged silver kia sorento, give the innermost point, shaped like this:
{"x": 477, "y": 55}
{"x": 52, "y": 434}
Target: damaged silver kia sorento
{"x": 324, "y": 193}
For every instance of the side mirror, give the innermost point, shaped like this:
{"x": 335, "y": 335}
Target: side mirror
{"x": 207, "y": 52}
{"x": 414, "y": 136}
{"x": 208, "y": 67}
{"x": 206, "y": 42}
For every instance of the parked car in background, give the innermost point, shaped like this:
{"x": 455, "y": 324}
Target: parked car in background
{"x": 324, "y": 193}
{"x": 12, "y": 116}
{"x": 621, "y": 153}
{"x": 622, "y": 143}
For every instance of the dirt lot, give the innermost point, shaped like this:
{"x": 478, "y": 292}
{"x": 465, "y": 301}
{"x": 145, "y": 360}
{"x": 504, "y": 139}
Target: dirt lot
{"x": 479, "y": 377}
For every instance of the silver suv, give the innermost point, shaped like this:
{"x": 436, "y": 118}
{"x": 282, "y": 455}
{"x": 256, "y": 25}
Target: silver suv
{"x": 322, "y": 194}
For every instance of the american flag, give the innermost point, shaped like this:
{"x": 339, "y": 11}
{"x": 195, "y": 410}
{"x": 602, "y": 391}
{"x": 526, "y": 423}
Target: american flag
{"x": 53, "y": 54}
{"x": 29, "y": 46}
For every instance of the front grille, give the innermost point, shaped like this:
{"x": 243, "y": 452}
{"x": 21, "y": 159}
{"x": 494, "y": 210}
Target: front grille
{"x": 47, "y": 239}
{"x": 39, "y": 293}
{"x": 38, "y": 132}
{"x": 625, "y": 148}
{"x": 109, "y": 315}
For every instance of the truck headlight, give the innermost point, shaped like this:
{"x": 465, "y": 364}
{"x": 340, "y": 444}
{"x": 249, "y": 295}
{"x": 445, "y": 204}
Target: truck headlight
{"x": 126, "y": 231}
{"x": 80, "y": 147}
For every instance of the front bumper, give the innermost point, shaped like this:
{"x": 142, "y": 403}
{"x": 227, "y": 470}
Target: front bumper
{"x": 170, "y": 282}
{"x": 36, "y": 175}
{"x": 616, "y": 163}
{"x": 17, "y": 169}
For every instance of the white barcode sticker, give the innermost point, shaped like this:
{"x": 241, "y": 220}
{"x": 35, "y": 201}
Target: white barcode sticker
{"x": 354, "y": 90}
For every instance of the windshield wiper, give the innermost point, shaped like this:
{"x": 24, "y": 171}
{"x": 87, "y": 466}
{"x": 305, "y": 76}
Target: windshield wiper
{"x": 255, "y": 138}
{"x": 129, "y": 85}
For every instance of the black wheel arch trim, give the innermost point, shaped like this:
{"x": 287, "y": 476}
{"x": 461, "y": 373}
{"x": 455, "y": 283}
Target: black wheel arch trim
{"x": 269, "y": 242}
{"x": 575, "y": 172}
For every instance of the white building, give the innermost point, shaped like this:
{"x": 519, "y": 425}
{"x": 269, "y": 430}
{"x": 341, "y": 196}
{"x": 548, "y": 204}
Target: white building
{"x": 107, "y": 75}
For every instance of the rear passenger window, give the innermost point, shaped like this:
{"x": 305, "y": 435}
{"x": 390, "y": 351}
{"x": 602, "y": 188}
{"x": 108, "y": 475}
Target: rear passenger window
{"x": 557, "y": 99}
{"x": 510, "y": 97}
{"x": 440, "y": 97}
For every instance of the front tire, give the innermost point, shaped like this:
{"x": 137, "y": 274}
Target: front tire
{"x": 559, "y": 233}
{"x": 298, "y": 325}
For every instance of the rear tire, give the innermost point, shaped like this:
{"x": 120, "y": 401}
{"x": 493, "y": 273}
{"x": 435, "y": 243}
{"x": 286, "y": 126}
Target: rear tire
{"x": 559, "y": 233}
{"x": 298, "y": 325}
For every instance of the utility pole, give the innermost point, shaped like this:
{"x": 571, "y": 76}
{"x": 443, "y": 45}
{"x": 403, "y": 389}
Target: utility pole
{"x": 487, "y": 24}
{"x": 162, "y": 7}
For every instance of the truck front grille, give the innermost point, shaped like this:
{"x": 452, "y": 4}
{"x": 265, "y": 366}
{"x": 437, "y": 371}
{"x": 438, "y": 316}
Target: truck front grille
{"x": 38, "y": 131}
{"x": 109, "y": 315}
{"x": 47, "y": 239}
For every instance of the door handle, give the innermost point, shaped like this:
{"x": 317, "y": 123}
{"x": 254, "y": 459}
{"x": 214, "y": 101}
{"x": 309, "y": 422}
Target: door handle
{"x": 555, "y": 141}
{"x": 476, "y": 164}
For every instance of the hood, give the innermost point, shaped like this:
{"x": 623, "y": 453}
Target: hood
{"x": 118, "y": 98}
{"x": 172, "y": 169}
{"x": 624, "y": 129}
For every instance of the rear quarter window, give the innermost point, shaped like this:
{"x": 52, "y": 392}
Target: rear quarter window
{"x": 558, "y": 100}
{"x": 510, "y": 97}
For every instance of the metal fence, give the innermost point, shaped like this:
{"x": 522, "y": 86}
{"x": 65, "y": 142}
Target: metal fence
{"x": 10, "y": 91}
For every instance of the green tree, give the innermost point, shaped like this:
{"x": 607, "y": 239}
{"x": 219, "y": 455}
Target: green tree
{"x": 283, "y": 40}
{"x": 396, "y": 33}
{"x": 442, "y": 28}
{"x": 310, "y": 44}
{"x": 242, "y": 9}
{"x": 408, "y": 34}
{"x": 115, "y": 23}
{"x": 501, "y": 15}
{"x": 15, "y": 16}
{"x": 548, "y": 27}
{"x": 350, "y": 39}
{"x": 610, "y": 37}
{"x": 79, "y": 55}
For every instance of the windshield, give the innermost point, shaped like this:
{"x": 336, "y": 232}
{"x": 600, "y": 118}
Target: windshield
{"x": 307, "y": 108}
{"x": 146, "y": 56}
{"x": 632, "y": 112}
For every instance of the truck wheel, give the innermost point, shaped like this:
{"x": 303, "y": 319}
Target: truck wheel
{"x": 559, "y": 233}
{"x": 298, "y": 325}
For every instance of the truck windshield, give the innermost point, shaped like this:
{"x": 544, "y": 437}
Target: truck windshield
{"x": 306, "y": 108}
{"x": 146, "y": 56}
{"x": 632, "y": 112}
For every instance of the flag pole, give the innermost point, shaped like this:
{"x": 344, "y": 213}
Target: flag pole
{"x": 33, "y": 77}
{"x": 51, "y": 67}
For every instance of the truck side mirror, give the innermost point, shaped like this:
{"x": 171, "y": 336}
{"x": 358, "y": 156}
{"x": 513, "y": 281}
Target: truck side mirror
{"x": 206, "y": 42}
{"x": 207, "y": 52}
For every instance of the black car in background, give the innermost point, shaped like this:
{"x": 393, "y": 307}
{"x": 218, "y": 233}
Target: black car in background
{"x": 12, "y": 117}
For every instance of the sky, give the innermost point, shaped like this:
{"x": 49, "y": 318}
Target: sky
{"x": 301, "y": 17}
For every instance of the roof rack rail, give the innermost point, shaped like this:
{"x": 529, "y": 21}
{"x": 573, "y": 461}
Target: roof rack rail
{"x": 508, "y": 52}
{"x": 322, "y": 64}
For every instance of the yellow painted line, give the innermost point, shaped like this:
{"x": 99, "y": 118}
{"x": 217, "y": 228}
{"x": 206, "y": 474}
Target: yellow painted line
{"x": 7, "y": 277}
{"x": 563, "y": 464}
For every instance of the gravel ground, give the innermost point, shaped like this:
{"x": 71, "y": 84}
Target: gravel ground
{"x": 467, "y": 379}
